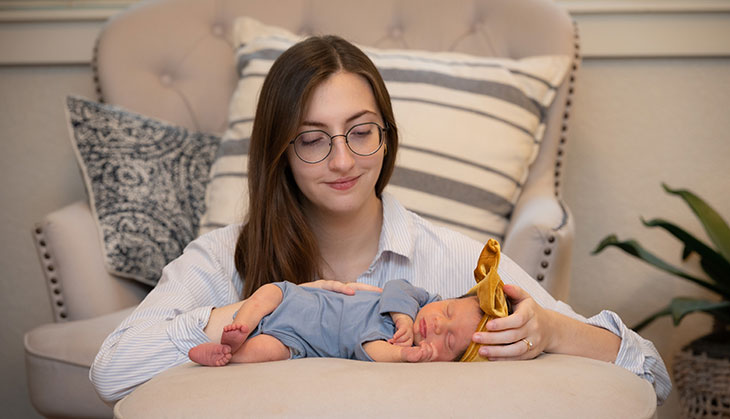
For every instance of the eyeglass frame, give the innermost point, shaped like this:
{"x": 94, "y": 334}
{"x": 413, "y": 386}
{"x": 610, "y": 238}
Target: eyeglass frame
{"x": 381, "y": 131}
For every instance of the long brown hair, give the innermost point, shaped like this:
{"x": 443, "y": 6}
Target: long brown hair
{"x": 276, "y": 242}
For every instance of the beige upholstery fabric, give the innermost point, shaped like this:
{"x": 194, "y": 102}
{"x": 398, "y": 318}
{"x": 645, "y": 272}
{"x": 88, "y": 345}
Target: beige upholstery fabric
{"x": 69, "y": 248}
{"x": 174, "y": 60}
{"x": 178, "y": 73}
{"x": 58, "y": 357}
{"x": 181, "y": 69}
{"x": 469, "y": 185}
{"x": 551, "y": 386}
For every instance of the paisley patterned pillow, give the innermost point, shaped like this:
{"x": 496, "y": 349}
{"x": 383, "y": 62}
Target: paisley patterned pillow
{"x": 146, "y": 183}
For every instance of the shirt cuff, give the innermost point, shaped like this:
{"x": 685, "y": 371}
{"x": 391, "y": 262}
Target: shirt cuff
{"x": 186, "y": 330}
{"x": 636, "y": 354}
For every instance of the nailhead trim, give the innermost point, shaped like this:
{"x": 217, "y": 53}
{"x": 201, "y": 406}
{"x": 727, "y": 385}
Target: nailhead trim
{"x": 544, "y": 264}
{"x": 55, "y": 291}
{"x": 95, "y": 71}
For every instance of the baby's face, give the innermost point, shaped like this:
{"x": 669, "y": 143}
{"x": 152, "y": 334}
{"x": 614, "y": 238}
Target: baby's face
{"x": 448, "y": 325}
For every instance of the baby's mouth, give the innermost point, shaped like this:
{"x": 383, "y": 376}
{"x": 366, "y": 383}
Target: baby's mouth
{"x": 423, "y": 328}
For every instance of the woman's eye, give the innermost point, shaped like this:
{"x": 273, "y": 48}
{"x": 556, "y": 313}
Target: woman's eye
{"x": 311, "y": 139}
{"x": 361, "y": 132}
{"x": 310, "y": 142}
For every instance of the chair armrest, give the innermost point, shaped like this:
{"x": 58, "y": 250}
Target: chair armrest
{"x": 540, "y": 240}
{"x": 550, "y": 386}
{"x": 57, "y": 361}
{"x": 70, "y": 251}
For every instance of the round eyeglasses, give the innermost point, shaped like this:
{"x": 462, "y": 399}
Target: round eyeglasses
{"x": 362, "y": 139}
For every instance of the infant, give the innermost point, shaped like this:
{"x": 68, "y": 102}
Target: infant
{"x": 402, "y": 324}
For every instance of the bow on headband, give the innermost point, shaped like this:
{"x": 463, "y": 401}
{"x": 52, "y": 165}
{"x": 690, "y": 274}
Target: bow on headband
{"x": 490, "y": 293}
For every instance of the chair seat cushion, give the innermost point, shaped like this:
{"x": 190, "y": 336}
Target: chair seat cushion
{"x": 551, "y": 386}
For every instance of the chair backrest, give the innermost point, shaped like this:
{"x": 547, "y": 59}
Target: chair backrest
{"x": 174, "y": 59}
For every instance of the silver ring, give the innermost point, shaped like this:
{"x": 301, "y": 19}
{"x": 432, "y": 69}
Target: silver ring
{"x": 528, "y": 343}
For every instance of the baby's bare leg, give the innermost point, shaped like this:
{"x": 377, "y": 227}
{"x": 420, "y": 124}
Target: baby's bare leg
{"x": 259, "y": 304}
{"x": 261, "y": 348}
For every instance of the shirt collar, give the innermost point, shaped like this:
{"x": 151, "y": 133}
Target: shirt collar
{"x": 396, "y": 235}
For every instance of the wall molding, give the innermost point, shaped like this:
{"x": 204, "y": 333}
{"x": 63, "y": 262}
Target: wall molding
{"x": 608, "y": 29}
{"x": 644, "y": 6}
{"x": 652, "y": 28}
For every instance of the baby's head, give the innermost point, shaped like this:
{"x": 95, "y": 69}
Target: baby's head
{"x": 448, "y": 325}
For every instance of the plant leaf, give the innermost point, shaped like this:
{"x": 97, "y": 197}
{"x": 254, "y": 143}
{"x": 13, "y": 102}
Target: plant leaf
{"x": 682, "y": 306}
{"x": 716, "y": 267}
{"x": 633, "y": 248}
{"x": 716, "y": 228}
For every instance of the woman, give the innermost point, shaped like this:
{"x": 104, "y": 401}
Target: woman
{"x": 323, "y": 147}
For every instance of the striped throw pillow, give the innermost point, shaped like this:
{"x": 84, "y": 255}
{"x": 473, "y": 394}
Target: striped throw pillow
{"x": 469, "y": 128}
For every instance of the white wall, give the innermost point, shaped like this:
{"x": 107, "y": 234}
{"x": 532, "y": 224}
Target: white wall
{"x": 637, "y": 123}
{"x": 644, "y": 112}
{"x": 38, "y": 174}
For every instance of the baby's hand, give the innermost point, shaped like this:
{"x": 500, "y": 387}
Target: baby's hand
{"x": 403, "y": 330}
{"x": 425, "y": 352}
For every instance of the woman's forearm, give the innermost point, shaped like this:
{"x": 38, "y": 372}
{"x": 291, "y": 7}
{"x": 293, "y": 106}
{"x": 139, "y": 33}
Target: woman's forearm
{"x": 141, "y": 347}
{"x": 573, "y": 337}
{"x": 220, "y": 317}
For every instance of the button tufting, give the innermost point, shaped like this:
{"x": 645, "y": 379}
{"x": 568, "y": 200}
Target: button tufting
{"x": 217, "y": 30}
{"x": 396, "y": 32}
{"x": 166, "y": 79}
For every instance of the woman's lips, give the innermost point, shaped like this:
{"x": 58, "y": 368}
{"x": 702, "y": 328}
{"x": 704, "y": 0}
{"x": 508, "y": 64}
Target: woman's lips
{"x": 343, "y": 184}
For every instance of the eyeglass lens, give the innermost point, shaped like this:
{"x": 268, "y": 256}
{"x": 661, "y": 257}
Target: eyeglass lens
{"x": 314, "y": 146}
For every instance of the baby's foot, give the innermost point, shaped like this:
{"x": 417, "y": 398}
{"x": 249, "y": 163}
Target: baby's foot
{"x": 211, "y": 354}
{"x": 234, "y": 335}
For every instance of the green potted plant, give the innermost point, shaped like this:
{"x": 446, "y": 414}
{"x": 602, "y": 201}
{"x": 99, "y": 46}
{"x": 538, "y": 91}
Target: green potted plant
{"x": 702, "y": 368}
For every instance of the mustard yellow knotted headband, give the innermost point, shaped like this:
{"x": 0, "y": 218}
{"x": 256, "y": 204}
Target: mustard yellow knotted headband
{"x": 491, "y": 296}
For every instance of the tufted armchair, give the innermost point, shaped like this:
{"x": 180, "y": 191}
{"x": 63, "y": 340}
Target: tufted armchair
{"x": 174, "y": 60}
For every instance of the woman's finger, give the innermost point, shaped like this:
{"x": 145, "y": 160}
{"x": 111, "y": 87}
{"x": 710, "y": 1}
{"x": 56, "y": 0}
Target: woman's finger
{"x": 347, "y": 288}
{"x": 516, "y": 320}
{"x": 363, "y": 287}
{"x": 515, "y": 293}
{"x": 522, "y": 314}
{"x": 329, "y": 285}
{"x": 520, "y": 349}
{"x": 498, "y": 338}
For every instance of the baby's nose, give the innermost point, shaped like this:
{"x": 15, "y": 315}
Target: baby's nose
{"x": 438, "y": 325}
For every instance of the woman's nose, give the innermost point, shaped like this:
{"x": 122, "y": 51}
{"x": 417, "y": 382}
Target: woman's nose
{"x": 341, "y": 158}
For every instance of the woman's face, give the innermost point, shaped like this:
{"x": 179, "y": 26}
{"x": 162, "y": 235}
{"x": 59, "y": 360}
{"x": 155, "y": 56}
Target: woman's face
{"x": 343, "y": 184}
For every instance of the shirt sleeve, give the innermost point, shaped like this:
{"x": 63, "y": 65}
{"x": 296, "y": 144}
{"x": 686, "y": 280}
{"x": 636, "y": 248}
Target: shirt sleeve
{"x": 636, "y": 354}
{"x": 401, "y": 297}
{"x": 166, "y": 325}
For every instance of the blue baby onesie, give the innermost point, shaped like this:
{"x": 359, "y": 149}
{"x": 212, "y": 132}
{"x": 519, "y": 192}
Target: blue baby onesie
{"x": 317, "y": 323}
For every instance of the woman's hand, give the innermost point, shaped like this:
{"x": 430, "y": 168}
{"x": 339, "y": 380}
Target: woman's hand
{"x": 524, "y": 334}
{"x": 347, "y": 288}
{"x": 531, "y": 330}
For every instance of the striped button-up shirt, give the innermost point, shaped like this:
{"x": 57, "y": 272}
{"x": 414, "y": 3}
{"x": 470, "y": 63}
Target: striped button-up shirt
{"x": 170, "y": 320}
